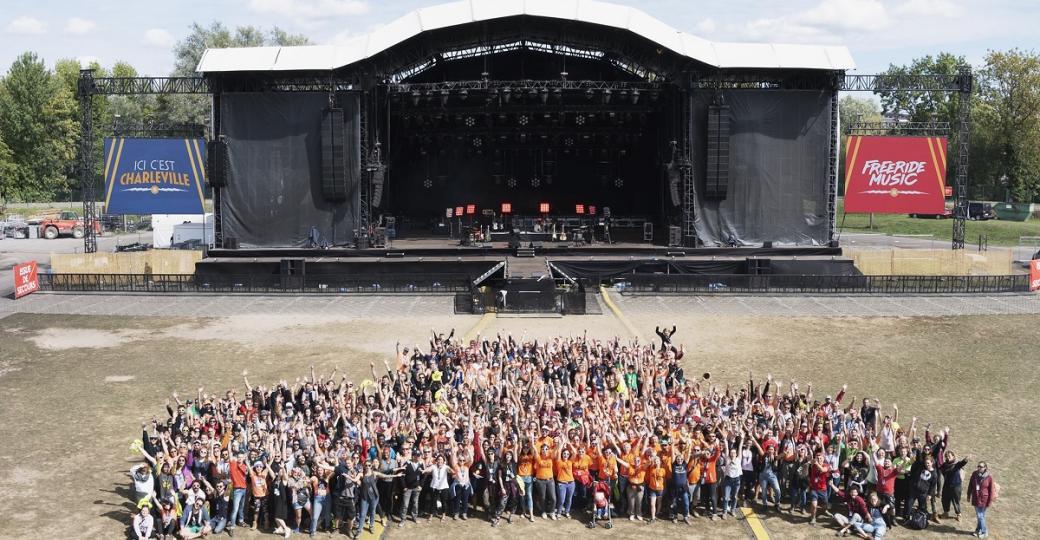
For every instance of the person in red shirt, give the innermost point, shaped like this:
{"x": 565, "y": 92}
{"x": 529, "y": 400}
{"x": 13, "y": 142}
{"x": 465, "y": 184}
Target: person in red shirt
{"x": 886, "y": 487}
{"x": 238, "y": 470}
{"x": 819, "y": 475}
{"x": 981, "y": 492}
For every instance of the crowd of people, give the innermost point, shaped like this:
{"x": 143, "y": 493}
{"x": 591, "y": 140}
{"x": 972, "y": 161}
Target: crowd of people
{"x": 511, "y": 429}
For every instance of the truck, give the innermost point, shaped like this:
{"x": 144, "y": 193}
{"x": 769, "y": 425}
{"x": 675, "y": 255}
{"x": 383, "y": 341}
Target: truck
{"x": 66, "y": 223}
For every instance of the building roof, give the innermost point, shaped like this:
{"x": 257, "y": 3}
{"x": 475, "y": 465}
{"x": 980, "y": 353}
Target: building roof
{"x": 718, "y": 54}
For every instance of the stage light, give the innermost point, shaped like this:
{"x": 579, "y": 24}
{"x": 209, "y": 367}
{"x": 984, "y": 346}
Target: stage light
{"x": 524, "y": 120}
{"x": 589, "y": 94}
{"x": 427, "y": 183}
{"x": 618, "y": 182}
{"x": 511, "y": 182}
{"x": 478, "y": 142}
{"x": 535, "y": 182}
{"x": 444, "y": 97}
{"x": 415, "y": 98}
{"x": 606, "y": 96}
{"x": 471, "y": 209}
{"x": 635, "y": 96}
{"x": 579, "y": 209}
{"x": 543, "y": 208}
{"x": 545, "y": 95}
{"x": 507, "y": 208}
{"x": 463, "y": 94}
{"x": 580, "y": 119}
{"x": 470, "y": 121}
{"x": 458, "y": 211}
{"x": 592, "y": 210}
{"x": 507, "y": 94}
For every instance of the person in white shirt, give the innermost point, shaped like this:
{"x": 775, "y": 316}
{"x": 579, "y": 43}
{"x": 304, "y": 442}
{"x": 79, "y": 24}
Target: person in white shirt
{"x": 144, "y": 524}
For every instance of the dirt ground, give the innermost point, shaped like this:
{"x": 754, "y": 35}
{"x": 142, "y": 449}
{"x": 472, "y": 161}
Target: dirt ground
{"x": 75, "y": 389}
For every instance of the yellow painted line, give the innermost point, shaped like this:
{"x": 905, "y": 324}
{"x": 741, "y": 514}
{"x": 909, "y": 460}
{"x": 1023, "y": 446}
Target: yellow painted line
{"x": 617, "y": 313}
{"x": 479, "y": 327}
{"x": 377, "y": 531}
{"x": 758, "y": 530}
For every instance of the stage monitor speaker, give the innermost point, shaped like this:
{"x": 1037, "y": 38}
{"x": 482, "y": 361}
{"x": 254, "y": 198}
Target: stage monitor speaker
{"x": 333, "y": 158}
{"x": 717, "y": 179}
{"x": 674, "y": 236}
{"x": 217, "y": 163}
{"x": 648, "y": 232}
{"x": 768, "y": 244}
{"x": 230, "y": 242}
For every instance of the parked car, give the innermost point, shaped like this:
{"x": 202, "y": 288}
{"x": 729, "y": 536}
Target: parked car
{"x": 947, "y": 214}
{"x": 981, "y": 211}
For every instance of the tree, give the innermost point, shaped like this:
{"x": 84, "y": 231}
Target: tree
{"x": 924, "y": 106}
{"x": 7, "y": 174}
{"x": 853, "y": 110}
{"x": 1007, "y": 125}
{"x": 38, "y": 126}
{"x": 939, "y": 106}
{"x": 188, "y": 52}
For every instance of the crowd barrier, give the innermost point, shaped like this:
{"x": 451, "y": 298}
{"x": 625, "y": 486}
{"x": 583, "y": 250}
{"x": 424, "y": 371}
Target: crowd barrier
{"x": 256, "y": 283}
{"x": 803, "y": 284}
{"x": 564, "y": 302}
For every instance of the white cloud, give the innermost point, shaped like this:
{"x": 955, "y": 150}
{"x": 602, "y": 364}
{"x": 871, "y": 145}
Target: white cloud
{"x": 78, "y": 27}
{"x": 86, "y": 61}
{"x": 158, "y": 37}
{"x": 25, "y": 25}
{"x": 854, "y": 15}
{"x": 309, "y": 11}
{"x": 929, "y": 8}
{"x": 829, "y": 21}
{"x": 706, "y": 26}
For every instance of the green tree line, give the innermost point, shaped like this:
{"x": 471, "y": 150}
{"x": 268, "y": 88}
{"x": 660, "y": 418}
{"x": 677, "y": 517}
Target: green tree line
{"x": 40, "y": 124}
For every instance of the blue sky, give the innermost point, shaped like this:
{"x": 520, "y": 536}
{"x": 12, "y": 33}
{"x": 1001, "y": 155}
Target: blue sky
{"x": 878, "y": 32}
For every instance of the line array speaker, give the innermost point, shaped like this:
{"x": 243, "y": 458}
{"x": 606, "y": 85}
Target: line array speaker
{"x": 333, "y": 159}
{"x": 217, "y": 163}
{"x": 717, "y": 184}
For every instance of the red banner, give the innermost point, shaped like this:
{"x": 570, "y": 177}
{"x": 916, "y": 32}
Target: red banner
{"x": 25, "y": 279}
{"x": 1034, "y": 275}
{"x": 895, "y": 175}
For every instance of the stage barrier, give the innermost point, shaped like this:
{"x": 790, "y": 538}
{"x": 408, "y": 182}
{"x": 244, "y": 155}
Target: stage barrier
{"x": 791, "y": 284}
{"x": 257, "y": 283}
{"x": 933, "y": 262}
{"x": 134, "y": 262}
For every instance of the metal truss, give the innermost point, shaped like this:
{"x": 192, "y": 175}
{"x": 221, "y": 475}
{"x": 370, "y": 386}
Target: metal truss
{"x": 519, "y": 85}
{"x": 766, "y": 80}
{"x": 151, "y": 129}
{"x": 124, "y": 86}
{"x": 832, "y": 170}
{"x": 962, "y": 83}
{"x": 874, "y": 128}
{"x": 907, "y": 83}
{"x": 87, "y": 175}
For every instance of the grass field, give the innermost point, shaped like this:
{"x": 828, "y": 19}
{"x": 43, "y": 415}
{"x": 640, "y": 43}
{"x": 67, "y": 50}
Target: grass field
{"x": 75, "y": 389}
{"x": 999, "y": 233}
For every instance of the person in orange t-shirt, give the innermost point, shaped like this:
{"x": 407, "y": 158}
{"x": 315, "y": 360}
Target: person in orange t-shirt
{"x": 655, "y": 476}
{"x": 525, "y": 470}
{"x": 636, "y": 478}
{"x": 544, "y": 487}
{"x": 564, "y": 481}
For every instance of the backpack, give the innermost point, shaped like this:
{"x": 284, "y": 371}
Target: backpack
{"x": 918, "y": 520}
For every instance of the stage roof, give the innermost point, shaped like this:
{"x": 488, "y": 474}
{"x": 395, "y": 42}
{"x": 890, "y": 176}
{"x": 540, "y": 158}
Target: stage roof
{"x": 717, "y": 54}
